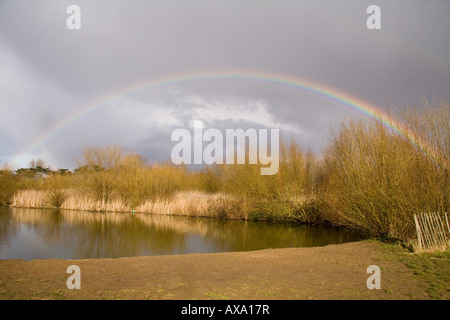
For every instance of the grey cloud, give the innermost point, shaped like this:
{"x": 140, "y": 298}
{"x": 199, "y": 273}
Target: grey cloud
{"x": 48, "y": 72}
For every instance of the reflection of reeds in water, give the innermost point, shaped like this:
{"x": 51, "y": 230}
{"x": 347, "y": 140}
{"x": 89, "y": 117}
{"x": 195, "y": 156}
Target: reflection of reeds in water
{"x": 188, "y": 203}
{"x": 35, "y": 217}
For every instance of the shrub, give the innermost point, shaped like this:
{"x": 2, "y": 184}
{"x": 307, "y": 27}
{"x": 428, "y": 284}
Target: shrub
{"x": 9, "y": 185}
{"x": 375, "y": 179}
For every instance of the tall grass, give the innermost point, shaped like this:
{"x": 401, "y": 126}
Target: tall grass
{"x": 182, "y": 203}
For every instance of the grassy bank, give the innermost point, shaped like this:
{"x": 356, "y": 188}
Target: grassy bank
{"x": 369, "y": 178}
{"x": 430, "y": 268}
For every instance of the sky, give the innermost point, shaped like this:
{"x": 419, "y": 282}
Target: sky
{"x": 137, "y": 70}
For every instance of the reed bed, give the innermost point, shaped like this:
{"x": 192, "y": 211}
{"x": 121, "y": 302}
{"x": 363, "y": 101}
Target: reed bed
{"x": 29, "y": 199}
{"x": 184, "y": 203}
{"x": 198, "y": 204}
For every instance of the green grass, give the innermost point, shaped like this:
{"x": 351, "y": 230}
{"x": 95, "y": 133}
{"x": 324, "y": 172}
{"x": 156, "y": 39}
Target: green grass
{"x": 434, "y": 270}
{"x": 214, "y": 295}
{"x": 431, "y": 268}
{"x": 58, "y": 295}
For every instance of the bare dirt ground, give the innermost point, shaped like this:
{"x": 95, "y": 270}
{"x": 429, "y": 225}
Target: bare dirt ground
{"x": 330, "y": 272}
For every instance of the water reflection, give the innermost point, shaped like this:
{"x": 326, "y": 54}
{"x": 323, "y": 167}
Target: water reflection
{"x": 42, "y": 234}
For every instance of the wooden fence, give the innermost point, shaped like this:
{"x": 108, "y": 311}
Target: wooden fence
{"x": 433, "y": 231}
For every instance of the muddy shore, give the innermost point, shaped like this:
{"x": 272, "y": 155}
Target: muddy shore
{"x": 330, "y": 272}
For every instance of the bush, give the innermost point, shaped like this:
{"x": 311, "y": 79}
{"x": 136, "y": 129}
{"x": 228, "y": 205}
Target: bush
{"x": 375, "y": 179}
{"x": 55, "y": 186}
{"x": 277, "y": 197}
{"x": 9, "y": 185}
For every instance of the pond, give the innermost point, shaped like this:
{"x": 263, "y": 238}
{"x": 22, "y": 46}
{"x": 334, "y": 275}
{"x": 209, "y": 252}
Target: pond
{"x": 57, "y": 234}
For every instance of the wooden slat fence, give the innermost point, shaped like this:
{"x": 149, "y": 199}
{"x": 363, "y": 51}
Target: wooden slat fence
{"x": 433, "y": 231}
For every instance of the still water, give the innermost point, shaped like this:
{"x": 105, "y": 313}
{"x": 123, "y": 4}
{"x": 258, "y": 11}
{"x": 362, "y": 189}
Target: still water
{"x": 56, "y": 234}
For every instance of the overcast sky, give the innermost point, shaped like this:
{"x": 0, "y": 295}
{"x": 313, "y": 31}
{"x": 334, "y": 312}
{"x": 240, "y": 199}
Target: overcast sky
{"x": 48, "y": 72}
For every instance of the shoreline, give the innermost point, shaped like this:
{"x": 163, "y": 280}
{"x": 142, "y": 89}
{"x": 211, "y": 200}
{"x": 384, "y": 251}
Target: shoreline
{"x": 253, "y": 218}
{"x": 328, "y": 272}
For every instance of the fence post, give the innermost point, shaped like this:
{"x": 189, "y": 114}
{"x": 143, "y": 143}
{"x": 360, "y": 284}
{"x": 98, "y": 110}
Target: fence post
{"x": 419, "y": 236}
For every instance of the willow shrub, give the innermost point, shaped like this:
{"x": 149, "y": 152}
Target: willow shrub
{"x": 55, "y": 186}
{"x": 9, "y": 185}
{"x": 376, "y": 179}
{"x": 286, "y": 195}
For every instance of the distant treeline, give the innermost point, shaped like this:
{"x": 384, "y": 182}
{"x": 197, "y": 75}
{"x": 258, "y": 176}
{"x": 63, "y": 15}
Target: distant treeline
{"x": 368, "y": 178}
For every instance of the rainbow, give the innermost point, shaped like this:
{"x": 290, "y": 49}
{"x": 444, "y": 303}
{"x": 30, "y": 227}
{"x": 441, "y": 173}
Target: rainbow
{"x": 340, "y": 97}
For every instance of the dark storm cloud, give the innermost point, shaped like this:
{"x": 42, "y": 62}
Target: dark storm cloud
{"x": 49, "y": 72}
